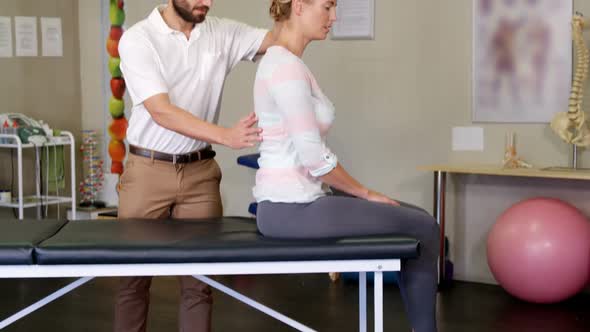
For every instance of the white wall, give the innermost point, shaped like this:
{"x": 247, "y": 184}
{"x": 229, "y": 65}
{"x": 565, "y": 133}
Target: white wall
{"x": 476, "y": 201}
{"x": 377, "y": 88}
{"x": 397, "y": 99}
{"x": 43, "y": 88}
{"x": 92, "y": 47}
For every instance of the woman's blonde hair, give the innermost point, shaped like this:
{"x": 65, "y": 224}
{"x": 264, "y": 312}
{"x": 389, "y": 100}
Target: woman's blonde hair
{"x": 280, "y": 10}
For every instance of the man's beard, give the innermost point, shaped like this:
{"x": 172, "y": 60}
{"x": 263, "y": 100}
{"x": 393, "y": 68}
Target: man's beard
{"x": 187, "y": 14}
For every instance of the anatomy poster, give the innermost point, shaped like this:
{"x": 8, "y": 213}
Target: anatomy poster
{"x": 522, "y": 59}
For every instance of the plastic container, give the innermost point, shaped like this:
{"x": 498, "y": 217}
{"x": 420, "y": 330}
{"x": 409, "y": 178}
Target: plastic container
{"x": 5, "y": 196}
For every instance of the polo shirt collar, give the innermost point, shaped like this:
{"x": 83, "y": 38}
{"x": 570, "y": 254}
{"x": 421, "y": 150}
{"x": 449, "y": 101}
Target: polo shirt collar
{"x": 156, "y": 19}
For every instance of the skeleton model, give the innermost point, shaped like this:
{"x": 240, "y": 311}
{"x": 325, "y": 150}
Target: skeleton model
{"x": 571, "y": 126}
{"x": 511, "y": 160}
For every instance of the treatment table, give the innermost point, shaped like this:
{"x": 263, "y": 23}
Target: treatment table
{"x": 199, "y": 248}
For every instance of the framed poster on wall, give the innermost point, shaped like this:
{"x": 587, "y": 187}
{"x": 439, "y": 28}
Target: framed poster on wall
{"x": 356, "y": 20}
{"x": 522, "y": 59}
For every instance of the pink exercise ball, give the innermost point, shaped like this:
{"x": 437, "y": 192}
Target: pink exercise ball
{"x": 539, "y": 250}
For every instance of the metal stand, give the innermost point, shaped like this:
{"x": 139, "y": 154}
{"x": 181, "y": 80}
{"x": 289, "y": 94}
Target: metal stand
{"x": 574, "y": 163}
{"x": 574, "y": 156}
{"x": 440, "y": 180}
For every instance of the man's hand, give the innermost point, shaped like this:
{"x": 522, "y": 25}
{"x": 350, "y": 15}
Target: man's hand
{"x": 374, "y": 196}
{"x": 244, "y": 134}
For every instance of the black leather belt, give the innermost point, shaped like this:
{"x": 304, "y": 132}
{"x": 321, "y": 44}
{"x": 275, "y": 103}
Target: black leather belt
{"x": 206, "y": 153}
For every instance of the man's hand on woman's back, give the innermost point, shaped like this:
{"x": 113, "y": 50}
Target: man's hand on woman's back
{"x": 243, "y": 134}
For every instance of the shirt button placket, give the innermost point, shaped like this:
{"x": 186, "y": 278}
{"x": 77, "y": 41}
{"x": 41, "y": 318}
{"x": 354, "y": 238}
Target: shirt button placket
{"x": 193, "y": 38}
{"x": 186, "y": 53}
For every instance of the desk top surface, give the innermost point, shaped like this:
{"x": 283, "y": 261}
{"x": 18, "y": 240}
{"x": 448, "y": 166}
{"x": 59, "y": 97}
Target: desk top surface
{"x": 489, "y": 169}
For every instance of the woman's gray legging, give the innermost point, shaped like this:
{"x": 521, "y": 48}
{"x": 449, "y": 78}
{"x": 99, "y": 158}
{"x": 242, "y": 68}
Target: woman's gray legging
{"x": 336, "y": 216}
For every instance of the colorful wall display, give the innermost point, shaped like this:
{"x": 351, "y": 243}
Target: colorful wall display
{"x": 118, "y": 126}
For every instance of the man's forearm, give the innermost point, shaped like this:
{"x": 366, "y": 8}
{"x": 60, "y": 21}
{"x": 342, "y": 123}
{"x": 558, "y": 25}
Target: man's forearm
{"x": 185, "y": 123}
{"x": 164, "y": 113}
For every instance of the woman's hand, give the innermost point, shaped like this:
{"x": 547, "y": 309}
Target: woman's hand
{"x": 339, "y": 178}
{"x": 374, "y": 196}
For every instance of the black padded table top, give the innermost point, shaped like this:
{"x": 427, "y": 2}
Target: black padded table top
{"x": 213, "y": 240}
{"x": 225, "y": 239}
{"x": 19, "y": 238}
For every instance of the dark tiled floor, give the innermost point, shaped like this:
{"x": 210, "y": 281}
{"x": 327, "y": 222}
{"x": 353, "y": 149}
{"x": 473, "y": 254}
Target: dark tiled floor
{"x": 311, "y": 299}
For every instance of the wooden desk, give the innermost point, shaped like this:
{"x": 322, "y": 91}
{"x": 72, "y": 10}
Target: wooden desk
{"x": 440, "y": 174}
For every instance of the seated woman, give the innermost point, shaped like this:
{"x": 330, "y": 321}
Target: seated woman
{"x": 296, "y": 166}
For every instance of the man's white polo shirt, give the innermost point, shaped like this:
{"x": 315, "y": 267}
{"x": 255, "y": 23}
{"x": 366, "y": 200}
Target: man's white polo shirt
{"x": 156, "y": 59}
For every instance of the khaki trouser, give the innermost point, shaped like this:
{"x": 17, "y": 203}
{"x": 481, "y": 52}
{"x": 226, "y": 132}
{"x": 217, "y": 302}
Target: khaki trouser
{"x": 154, "y": 189}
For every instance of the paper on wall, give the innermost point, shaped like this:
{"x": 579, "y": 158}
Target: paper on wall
{"x": 468, "y": 139}
{"x": 5, "y": 37}
{"x": 51, "y": 36}
{"x": 25, "y": 31}
{"x": 355, "y": 20}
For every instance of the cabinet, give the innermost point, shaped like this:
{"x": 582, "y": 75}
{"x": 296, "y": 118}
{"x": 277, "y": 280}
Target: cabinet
{"x": 19, "y": 200}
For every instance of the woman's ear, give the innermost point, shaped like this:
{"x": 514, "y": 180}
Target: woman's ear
{"x": 297, "y": 7}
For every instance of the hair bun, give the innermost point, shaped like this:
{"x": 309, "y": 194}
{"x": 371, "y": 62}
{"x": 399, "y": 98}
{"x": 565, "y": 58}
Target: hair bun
{"x": 280, "y": 9}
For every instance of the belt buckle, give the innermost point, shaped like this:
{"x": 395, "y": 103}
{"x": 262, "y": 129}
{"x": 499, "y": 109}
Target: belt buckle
{"x": 174, "y": 159}
{"x": 199, "y": 155}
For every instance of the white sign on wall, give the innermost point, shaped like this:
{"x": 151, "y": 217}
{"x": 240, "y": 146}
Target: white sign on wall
{"x": 51, "y": 36}
{"x": 25, "y": 30}
{"x": 355, "y": 20}
{"x": 5, "y": 37}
